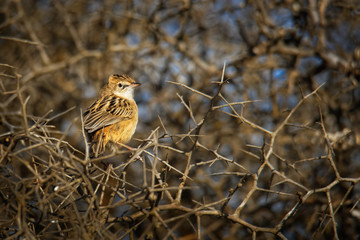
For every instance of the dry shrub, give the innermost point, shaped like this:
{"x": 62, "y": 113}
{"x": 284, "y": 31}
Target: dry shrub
{"x": 266, "y": 146}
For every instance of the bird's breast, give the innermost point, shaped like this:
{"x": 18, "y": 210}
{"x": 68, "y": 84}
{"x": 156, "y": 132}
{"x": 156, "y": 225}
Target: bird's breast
{"x": 122, "y": 132}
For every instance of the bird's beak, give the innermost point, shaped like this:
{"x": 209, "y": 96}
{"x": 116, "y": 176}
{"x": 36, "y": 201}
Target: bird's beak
{"x": 135, "y": 84}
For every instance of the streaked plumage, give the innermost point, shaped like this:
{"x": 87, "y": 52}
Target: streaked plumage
{"x": 114, "y": 115}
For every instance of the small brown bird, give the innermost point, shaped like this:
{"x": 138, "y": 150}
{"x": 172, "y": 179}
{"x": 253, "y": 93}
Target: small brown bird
{"x": 114, "y": 115}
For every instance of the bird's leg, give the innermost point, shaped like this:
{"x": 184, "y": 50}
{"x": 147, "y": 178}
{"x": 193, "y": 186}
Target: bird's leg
{"x": 126, "y": 146}
{"x": 131, "y": 149}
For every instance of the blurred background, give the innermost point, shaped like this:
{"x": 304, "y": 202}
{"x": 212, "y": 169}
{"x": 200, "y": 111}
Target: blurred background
{"x": 277, "y": 177}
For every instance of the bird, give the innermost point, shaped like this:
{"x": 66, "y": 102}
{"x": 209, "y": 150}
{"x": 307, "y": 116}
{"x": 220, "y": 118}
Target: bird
{"x": 113, "y": 117}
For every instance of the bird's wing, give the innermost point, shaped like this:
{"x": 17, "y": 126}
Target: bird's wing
{"x": 107, "y": 110}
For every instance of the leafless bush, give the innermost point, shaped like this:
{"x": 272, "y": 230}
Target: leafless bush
{"x": 263, "y": 146}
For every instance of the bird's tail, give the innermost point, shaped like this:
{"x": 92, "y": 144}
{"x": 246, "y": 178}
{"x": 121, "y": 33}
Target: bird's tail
{"x": 98, "y": 144}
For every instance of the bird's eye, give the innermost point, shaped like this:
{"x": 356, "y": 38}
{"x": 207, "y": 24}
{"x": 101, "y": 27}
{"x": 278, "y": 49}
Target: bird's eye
{"x": 120, "y": 85}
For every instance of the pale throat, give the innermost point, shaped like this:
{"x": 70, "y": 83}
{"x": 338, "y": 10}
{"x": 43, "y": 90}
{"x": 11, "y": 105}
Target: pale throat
{"x": 128, "y": 93}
